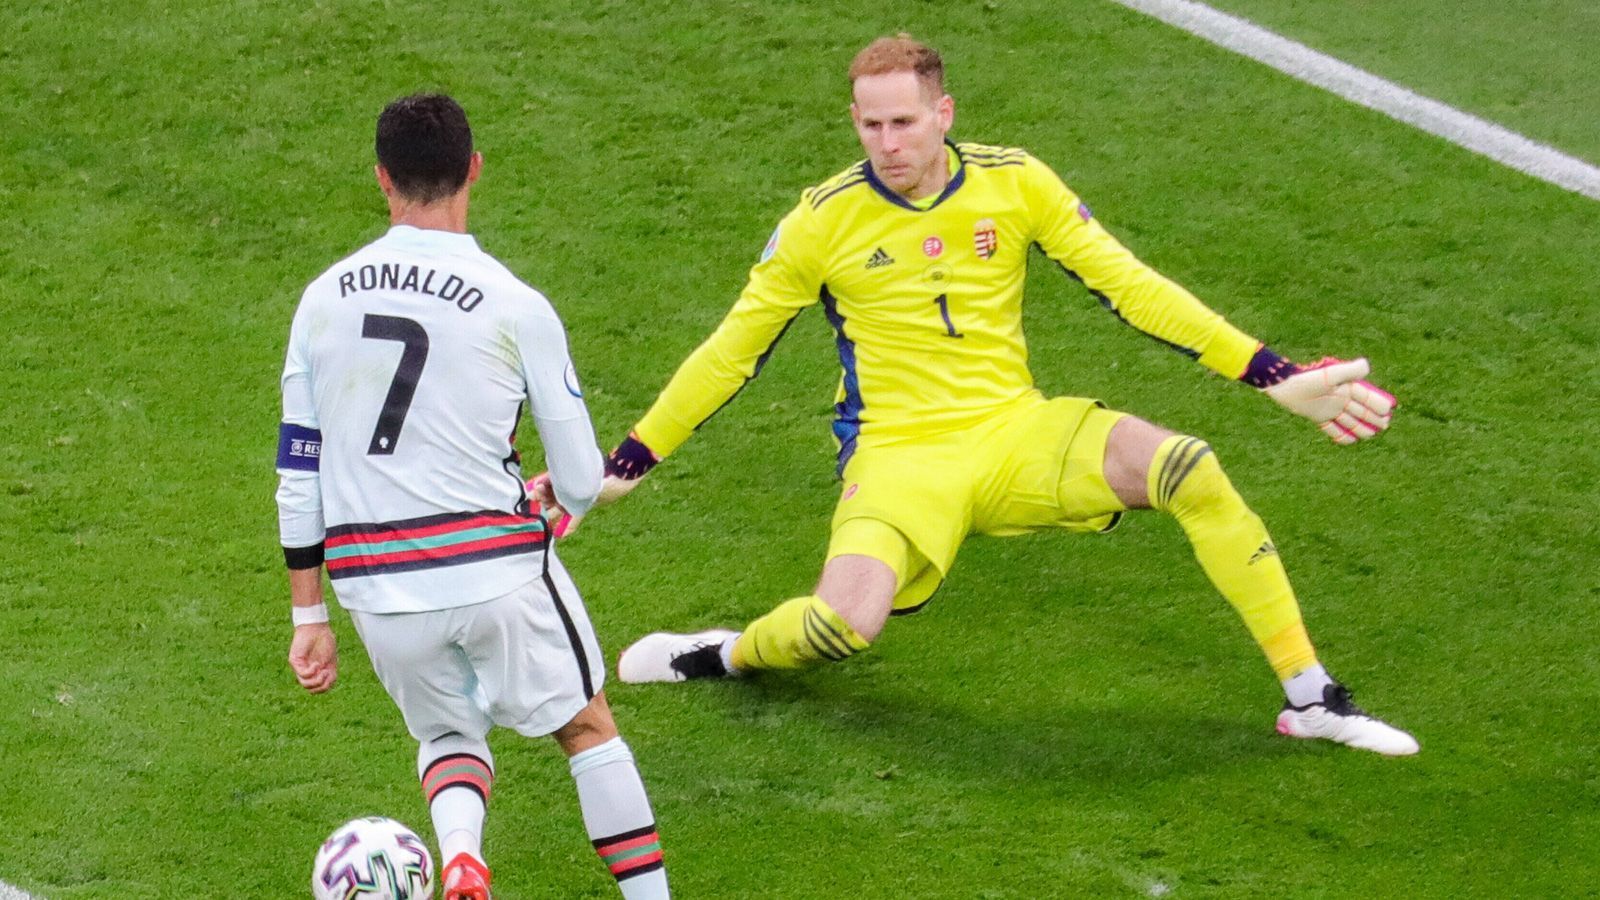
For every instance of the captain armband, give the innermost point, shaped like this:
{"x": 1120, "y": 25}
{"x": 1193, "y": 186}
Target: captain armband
{"x": 299, "y": 447}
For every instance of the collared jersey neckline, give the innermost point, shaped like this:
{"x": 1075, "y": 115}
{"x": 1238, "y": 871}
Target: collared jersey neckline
{"x": 958, "y": 176}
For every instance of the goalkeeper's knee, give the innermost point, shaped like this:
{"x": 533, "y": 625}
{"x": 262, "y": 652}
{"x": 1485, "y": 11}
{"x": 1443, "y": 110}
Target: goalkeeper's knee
{"x": 799, "y": 633}
{"x": 1187, "y": 482}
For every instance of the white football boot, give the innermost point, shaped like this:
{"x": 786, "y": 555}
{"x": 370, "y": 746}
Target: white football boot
{"x": 1338, "y": 719}
{"x": 674, "y": 657}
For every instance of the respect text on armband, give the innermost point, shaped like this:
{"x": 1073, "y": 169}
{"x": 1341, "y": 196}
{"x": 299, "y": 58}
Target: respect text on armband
{"x": 299, "y": 447}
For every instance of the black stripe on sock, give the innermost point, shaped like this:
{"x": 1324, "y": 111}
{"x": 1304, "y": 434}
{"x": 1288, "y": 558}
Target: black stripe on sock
{"x": 818, "y": 633}
{"x": 1161, "y": 479}
{"x": 624, "y": 836}
{"x": 816, "y": 644}
{"x": 463, "y": 785}
{"x": 849, "y": 648}
{"x": 1174, "y": 462}
{"x": 656, "y": 866}
{"x": 1181, "y": 464}
{"x": 1193, "y": 461}
{"x": 819, "y": 642}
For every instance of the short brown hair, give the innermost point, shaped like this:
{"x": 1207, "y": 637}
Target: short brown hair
{"x": 900, "y": 53}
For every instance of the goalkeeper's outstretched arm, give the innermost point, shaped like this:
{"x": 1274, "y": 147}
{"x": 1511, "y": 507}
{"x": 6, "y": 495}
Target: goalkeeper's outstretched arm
{"x": 1331, "y": 393}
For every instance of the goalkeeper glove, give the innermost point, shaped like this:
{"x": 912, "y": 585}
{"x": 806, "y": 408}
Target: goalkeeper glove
{"x": 1331, "y": 393}
{"x": 626, "y": 466}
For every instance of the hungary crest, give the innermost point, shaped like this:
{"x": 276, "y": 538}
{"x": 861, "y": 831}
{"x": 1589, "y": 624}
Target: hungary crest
{"x": 984, "y": 239}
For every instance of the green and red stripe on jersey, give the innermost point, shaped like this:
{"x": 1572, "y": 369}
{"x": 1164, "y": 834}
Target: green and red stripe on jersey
{"x": 631, "y": 852}
{"x": 457, "y": 770}
{"x": 429, "y": 542}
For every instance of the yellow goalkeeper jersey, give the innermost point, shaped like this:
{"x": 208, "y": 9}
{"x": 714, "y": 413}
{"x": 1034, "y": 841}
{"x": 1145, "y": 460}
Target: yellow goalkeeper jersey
{"x": 926, "y": 304}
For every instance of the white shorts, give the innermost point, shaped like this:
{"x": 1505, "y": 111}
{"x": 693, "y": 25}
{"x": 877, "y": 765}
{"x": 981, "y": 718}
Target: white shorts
{"x": 527, "y": 660}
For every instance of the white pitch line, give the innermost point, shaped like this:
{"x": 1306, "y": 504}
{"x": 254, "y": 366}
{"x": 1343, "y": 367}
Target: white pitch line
{"x": 7, "y": 892}
{"x": 1302, "y": 62}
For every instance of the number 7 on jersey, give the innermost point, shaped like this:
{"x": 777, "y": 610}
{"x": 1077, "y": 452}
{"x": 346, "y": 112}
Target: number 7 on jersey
{"x": 404, "y": 386}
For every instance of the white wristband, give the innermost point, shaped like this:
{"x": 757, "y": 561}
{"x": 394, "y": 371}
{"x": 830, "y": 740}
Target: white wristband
{"x": 309, "y": 615}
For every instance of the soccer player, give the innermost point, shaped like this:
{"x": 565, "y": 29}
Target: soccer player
{"x": 408, "y": 366}
{"x": 917, "y": 255}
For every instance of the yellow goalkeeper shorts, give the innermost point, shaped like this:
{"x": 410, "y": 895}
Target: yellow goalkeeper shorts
{"x": 1035, "y": 464}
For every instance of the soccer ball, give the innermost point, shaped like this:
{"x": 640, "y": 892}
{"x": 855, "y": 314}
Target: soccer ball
{"x": 374, "y": 858}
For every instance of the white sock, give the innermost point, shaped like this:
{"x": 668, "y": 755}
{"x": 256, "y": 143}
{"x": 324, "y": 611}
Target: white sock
{"x": 617, "y": 814}
{"x": 458, "y": 820}
{"x": 457, "y": 774}
{"x": 1306, "y": 688}
{"x": 726, "y": 652}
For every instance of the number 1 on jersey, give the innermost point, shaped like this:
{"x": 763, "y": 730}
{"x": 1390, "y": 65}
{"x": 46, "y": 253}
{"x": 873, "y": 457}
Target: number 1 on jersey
{"x": 404, "y": 386}
{"x": 944, "y": 310}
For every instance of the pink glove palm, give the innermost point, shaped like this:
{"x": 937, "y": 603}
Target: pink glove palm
{"x": 1334, "y": 394}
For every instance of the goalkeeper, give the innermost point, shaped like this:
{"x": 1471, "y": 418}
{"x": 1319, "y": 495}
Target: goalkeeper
{"x": 917, "y": 255}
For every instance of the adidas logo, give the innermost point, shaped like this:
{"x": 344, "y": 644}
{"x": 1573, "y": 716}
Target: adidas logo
{"x": 879, "y": 258}
{"x": 1265, "y": 551}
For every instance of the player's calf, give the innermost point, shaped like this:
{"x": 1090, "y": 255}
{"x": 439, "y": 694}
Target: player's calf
{"x": 1238, "y": 555}
{"x": 617, "y": 814}
{"x": 1233, "y": 547}
{"x": 457, "y": 774}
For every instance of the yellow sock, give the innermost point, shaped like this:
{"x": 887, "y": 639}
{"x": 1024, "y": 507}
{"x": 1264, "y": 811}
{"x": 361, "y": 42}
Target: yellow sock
{"x": 799, "y": 633}
{"x": 1234, "y": 549}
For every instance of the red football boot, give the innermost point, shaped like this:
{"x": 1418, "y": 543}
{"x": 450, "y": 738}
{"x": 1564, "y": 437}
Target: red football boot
{"x": 465, "y": 878}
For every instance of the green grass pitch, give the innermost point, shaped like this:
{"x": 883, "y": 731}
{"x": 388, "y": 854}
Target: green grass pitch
{"x": 1073, "y": 716}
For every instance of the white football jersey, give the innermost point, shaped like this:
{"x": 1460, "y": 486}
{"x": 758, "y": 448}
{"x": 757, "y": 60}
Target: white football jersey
{"x": 408, "y": 367}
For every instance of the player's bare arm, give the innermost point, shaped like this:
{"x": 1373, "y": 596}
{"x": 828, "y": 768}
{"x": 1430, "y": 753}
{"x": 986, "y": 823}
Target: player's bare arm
{"x": 313, "y": 650}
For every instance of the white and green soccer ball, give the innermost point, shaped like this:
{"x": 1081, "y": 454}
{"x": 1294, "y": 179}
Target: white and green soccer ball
{"x": 372, "y": 859}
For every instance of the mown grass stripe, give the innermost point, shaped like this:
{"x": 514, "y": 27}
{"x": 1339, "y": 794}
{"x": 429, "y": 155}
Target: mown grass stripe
{"x": 1359, "y": 86}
